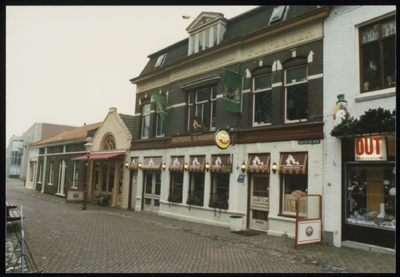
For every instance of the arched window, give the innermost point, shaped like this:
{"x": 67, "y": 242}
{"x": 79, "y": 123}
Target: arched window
{"x": 109, "y": 143}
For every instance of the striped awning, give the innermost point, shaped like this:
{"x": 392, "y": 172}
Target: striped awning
{"x": 134, "y": 163}
{"x": 258, "y": 163}
{"x": 152, "y": 163}
{"x": 176, "y": 163}
{"x": 293, "y": 163}
{"x": 217, "y": 161}
{"x": 197, "y": 163}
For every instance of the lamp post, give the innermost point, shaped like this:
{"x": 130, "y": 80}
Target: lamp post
{"x": 88, "y": 147}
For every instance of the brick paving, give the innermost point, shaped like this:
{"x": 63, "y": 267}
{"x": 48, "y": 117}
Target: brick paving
{"x": 64, "y": 239}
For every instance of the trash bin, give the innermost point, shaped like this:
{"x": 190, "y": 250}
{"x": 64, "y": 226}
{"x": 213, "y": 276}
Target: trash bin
{"x": 236, "y": 223}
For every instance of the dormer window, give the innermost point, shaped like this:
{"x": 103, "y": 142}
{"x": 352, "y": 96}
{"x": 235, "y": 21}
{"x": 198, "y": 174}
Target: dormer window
{"x": 206, "y": 31}
{"x": 277, "y": 15}
{"x": 160, "y": 61}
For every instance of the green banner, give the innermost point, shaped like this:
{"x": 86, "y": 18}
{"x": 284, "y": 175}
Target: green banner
{"x": 233, "y": 89}
{"x": 161, "y": 103}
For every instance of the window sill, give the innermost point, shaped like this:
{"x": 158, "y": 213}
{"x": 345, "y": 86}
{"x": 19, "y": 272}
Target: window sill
{"x": 286, "y": 217}
{"x": 256, "y": 125}
{"x": 49, "y": 184}
{"x": 367, "y": 96}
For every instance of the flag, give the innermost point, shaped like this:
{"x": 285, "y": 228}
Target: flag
{"x": 161, "y": 103}
{"x": 233, "y": 88}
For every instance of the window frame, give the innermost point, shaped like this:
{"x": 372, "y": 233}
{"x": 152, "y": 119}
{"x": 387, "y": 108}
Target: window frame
{"x": 40, "y": 172}
{"x": 75, "y": 174}
{"x": 254, "y": 94}
{"x": 282, "y": 210}
{"x": 221, "y": 202}
{"x": 192, "y": 106}
{"x": 172, "y": 185}
{"x": 145, "y": 115}
{"x": 51, "y": 174}
{"x": 288, "y": 85}
{"x": 215, "y": 37}
{"x": 380, "y": 40}
{"x": 106, "y": 143}
{"x": 159, "y": 121}
{"x": 192, "y": 184}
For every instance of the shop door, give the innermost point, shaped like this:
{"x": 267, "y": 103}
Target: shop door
{"x": 259, "y": 202}
{"x": 152, "y": 191}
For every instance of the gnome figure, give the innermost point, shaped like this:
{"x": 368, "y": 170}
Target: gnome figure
{"x": 340, "y": 111}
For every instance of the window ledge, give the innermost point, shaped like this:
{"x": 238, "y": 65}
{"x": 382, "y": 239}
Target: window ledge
{"x": 49, "y": 184}
{"x": 367, "y": 96}
{"x": 282, "y": 217}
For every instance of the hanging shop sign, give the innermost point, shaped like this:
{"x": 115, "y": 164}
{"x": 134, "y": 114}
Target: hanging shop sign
{"x": 370, "y": 149}
{"x": 222, "y": 139}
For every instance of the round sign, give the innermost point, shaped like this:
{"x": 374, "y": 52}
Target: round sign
{"x": 222, "y": 139}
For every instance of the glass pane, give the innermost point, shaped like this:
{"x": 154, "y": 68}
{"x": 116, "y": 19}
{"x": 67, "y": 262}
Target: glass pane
{"x": 371, "y": 195}
{"x": 260, "y": 186}
{"x": 389, "y": 59}
{"x": 262, "y": 82}
{"x": 370, "y": 61}
{"x": 104, "y": 179}
{"x": 111, "y": 178}
{"x": 177, "y": 185}
{"x": 221, "y": 32}
{"x": 262, "y": 107}
{"x": 146, "y": 109}
{"x": 389, "y": 27}
{"x": 196, "y": 196}
{"x": 207, "y": 42}
{"x": 370, "y": 33}
{"x": 297, "y": 74}
{"x": 96, "y": 180}
{"x": 297, "y": 102}
{"x": 149, "y": 179}
{"x": 158, "y": 184}
{"x": 146, "y": 126}
{"x": 156, "y": 203}
{"x": 213, "y": 114}
{"x": 201, "y": 41}
{"x": 160, "y": 125}
{"x": 215, "y": 35}
{"x": 190, "y": 98}
{"x": 193, "y": 44}
{"x": 202, "y": 95}
{"x": 147, "y": 201}
{"x": 120, "y": 181}
{"x": 260, "y": 215}
{"x": 293, "y": 183}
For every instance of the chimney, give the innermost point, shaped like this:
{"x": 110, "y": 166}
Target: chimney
{"x": 113, "y": 110}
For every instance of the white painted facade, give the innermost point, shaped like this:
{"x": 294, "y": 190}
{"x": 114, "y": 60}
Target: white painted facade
{"x": 341, "y": 76}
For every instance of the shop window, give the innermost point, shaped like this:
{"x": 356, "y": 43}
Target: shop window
{"x": 51, "y": 175}
{"x": 378, "y": 55}
{"x": 262, "y": 99}
{"x": 202, "y": 104}
{"x": 371, "y": 195}
{"x": 111, "y": 178}
{"x": 296, "y": 94}
{"x": 109, "y": 144}
{"x": 120, "y": 177}
{"x": 76, "y": 174}
{"x": 146, "y": 120}
{"x": 220, "y": 191}
{"x": 104, "y": 179}
{"x": 293, "y": 185}
{"x": 196, "y": 189}
{"x": 176, "y": 187}
{"x": 96, "y": 179}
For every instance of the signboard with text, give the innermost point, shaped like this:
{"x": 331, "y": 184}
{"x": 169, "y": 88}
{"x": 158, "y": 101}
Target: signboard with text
{"x": 370, "y": 149}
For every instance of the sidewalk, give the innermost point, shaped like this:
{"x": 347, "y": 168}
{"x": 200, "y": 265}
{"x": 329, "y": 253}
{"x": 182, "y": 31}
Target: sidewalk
{"x": 327, "y": 258}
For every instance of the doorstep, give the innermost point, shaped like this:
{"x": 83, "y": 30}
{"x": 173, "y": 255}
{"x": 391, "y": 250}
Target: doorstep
{"x": 368, "y": 247}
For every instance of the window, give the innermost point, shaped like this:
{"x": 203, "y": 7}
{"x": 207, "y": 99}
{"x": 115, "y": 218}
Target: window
{"x": 159, "y": 125}
{"x": 220, "y": 191}
{"x": 262, "y": 99}
{"x": 176, "y": 187}
{"x": 40, "y": 172}
{"x": 31, "y": 171}
{"x": 145, "y": 120}
{"x": 203, "y": 103}
{"x": 378, "y": 55}
{"x": 96, "y": 178}
{"x": 111, "y": 178}
{"x": 51, "y": 175}
{"x": 293, "y": 184}
{"x": 296, "y": 94}
{"x": 76, "y": 174}
{"x": 109, "y": 143}
{"x": 371, "y": 195}
{"x": 196, "y": 189}
{"x": 277, "y": 15}
{"x": 207, "y": 38}
{"x": 104, "y": 179}
{"x": 160, "y": 61}
{"x": 120, "y": 177}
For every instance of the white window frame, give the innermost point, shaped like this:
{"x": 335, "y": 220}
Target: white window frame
{"x": 159, "y": 121}
{"x": 194, "y": 40}
{"x": 254, "y": 124}
{"x": 40, "y": 172}
{"x": 144, "y": 117}
{"x": 294, "y": 84}
{"x": 283, "y": 195}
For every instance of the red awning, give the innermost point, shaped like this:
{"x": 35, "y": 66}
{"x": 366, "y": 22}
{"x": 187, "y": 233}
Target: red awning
{"x": 100, "y": 156}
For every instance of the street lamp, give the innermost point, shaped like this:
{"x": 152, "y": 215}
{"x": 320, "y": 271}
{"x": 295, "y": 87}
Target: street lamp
{"x": 88, "y": 147}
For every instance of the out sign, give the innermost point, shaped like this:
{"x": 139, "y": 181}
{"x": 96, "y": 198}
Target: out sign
{"x": 370, "y": 149}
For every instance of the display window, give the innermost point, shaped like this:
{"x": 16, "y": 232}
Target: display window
{"x": 370, "y": 195}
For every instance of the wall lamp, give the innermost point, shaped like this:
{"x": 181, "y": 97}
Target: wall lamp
{"x": 243, "y": 167}
{"x": 186, "y": 166}
{"x": 140, "y": 165}
{"x": 274, "y": 167}
{"x": 163, "y": 166}
{"x": 126, "y": 164}
{"x": 207, "y": 166}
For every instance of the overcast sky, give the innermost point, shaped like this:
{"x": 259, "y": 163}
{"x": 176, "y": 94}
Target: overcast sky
{"x": 69, "y": 64}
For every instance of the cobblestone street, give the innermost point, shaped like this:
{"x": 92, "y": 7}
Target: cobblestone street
{"x": 64, "y": 239}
